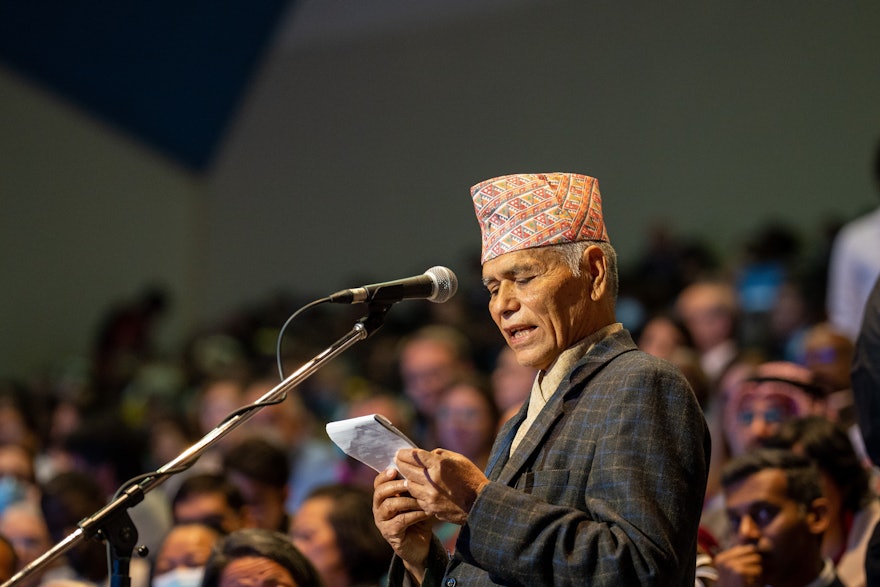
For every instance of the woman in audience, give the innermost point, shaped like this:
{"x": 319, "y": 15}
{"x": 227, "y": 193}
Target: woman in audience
{"x": 334, "y": 529}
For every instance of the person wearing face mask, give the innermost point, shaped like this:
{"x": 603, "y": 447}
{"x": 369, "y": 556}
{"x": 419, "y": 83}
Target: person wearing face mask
{"x": 17, "y": 475}
{"x": 181, "y": 559}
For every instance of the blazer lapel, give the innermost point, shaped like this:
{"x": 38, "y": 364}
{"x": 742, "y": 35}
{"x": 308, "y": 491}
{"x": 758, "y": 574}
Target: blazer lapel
{"x": 508, "y": 466}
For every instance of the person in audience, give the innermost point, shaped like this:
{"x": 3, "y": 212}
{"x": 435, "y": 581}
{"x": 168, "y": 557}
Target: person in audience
{"x": 662, "y": 334}
{"x": 312, "y": 459}
{"x": 17, "y": 474}
{"x": 854, "y": 265}
{"x": 261, "y": 471}
{"x": 69, "y": 498}
{"x": 467, "y": 421}
{"x": 209, "y": 499}
{"x": 828, "y": 353}
{"x": 23, "y": 525}
{"x": 215, "y": 400}
{"x": 334, "y": 529}
{"x": 709, "y": 311}
{"x": 757, "y": 401}
{"x": 430, "y": 360}
{"x": 779, "y": 515}
{"x": 183, "y": 554}
{"x": 778, "y": 391}
{"x": 853, "y": 509}
{"x": 511, "y": 384}
{"x": 256, "y": 557}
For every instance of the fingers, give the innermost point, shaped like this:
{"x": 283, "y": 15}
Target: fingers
{"x": 391, "y": 499}
{"x": 739, "y": 565}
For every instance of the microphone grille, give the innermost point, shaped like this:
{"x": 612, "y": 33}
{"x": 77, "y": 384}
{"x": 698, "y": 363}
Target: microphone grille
{"x": 445, "y": 283}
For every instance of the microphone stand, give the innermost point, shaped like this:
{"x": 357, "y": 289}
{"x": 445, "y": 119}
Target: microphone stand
{"x": 112, "y": 522}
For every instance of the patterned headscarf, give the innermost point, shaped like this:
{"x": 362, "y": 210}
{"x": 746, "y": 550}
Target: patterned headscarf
{"x": 529, "y": 210}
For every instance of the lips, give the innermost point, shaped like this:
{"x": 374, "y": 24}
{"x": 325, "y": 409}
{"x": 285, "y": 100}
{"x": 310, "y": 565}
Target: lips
{"x": 518, "y": 333}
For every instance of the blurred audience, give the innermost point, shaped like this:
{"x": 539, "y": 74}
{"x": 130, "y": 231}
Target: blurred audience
{"x": 312, "y": 458}
{"x": 431, "y": 359}
{"x": 828, "y": 353}
{"x": 467, "y": 421}
{"x": 23, "y": 524}
{"x": 209, "y": 499}
{"x": 511, "y": 384}
{"x": 106, "y": 449}
{"x": 256, "y": 557}
{"x": 709, "y": 312}
{"x": 771, "y": 394}
{"x": 261, "y": 472}
{"x": 723, "y": 321}
{"x": 334, "y": 529}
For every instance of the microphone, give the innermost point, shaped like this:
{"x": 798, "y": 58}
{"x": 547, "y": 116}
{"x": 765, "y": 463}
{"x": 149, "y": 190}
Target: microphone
{"x": 437, "y": 285}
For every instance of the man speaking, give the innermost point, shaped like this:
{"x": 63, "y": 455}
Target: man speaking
{"x": 599, "y": 479}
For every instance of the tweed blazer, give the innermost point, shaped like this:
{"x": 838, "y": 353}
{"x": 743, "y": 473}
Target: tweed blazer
{"x": 606, "y": 488}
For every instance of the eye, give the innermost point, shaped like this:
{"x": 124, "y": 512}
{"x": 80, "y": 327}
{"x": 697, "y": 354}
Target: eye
{"x": 746, "y": 418}
{"x": 764, "y": 514}
{"x": 774, "y": 415}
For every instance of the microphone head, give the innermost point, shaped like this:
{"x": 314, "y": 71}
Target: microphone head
{"x": 445, "y": 284}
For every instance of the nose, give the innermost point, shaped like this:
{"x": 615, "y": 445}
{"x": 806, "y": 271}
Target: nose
{"x": 761, "y": 428}
{"x": 504, "y": 301}
{"x": 748, "y": 531}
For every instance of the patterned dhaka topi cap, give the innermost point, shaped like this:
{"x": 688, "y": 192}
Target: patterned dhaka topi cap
{"x": 528, "y": 210}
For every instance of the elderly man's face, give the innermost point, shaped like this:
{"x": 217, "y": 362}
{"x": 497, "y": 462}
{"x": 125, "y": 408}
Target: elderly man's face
{"x": 540, "y": 307}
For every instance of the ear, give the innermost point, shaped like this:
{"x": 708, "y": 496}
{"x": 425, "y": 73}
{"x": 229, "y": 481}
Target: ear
{"x": 595, "y": 263}
{"x": 818, "y": 518}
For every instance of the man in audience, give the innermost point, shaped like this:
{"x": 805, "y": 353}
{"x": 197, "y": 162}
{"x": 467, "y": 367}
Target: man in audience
{"x": 431, "y": 359}
{"x": 775, "y": 505}
{"x": 312, "y": 460}
{"x": 210, "y": 499}
{"x": 709, "y": 311}
{"x": 776, "y": 392}
{"x": 261, "y": 471}
{"x": 854, "y": 266}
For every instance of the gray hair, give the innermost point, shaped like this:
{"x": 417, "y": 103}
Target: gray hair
{"x": 573, "y": 253}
